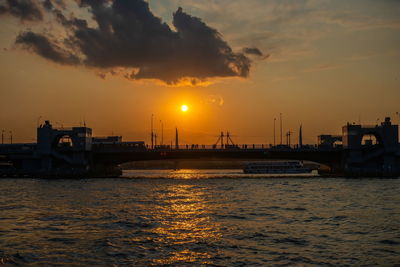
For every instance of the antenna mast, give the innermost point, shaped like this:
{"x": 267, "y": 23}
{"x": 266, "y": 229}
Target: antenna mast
{"x": 221, "y": 140}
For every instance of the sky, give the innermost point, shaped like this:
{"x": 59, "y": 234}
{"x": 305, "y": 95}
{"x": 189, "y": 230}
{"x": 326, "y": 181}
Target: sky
{"x": 236, "y": 64}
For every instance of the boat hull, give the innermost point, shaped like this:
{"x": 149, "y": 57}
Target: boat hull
{"x": 276, "y": 167}
{"x": 269, "y": 171}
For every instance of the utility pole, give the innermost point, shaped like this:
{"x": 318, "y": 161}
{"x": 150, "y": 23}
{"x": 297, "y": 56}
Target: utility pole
{"x": 222, "y": 139}
{"x": 11, "y": 137}
{"x": 280, "y": 116}
{"x": 274, "y": 131}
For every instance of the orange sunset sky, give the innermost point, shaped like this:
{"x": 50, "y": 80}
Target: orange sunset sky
{"x": 235, "y": 64}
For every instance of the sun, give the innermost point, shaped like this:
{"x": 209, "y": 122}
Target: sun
{"x": 184, "y": 108}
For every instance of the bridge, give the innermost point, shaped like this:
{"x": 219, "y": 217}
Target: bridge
{"x": 74, "y": 152}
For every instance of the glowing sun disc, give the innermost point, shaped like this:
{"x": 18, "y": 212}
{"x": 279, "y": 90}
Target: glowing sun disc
{"x": 184, "y": 108}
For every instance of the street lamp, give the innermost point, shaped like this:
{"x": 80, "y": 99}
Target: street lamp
{"x": 152, "y": 132}
{"x": 274, "y": 131}
{"x": 162, "y": 132}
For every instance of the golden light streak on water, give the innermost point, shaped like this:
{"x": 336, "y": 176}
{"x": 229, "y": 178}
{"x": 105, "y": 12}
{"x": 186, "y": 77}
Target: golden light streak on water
{"x": 191, "y": 223}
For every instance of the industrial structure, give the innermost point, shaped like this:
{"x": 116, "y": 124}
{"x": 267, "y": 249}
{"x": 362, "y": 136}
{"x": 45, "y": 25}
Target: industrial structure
{"x": 73, "y": 152}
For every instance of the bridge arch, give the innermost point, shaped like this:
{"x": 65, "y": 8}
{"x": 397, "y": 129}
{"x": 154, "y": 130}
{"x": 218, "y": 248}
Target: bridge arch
{"x": 63, "y": 141}
{"x": 371, "y": 139}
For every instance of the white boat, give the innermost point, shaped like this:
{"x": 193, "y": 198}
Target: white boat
{"x": 276, "y": 167}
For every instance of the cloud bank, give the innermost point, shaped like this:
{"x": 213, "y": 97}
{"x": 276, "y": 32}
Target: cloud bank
{"x": 23, "y": 9}
{"x": 128, "y": 36}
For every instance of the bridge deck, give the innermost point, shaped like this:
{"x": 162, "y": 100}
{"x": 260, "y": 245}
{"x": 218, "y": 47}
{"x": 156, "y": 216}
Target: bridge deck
{"x": 113, "y": 156}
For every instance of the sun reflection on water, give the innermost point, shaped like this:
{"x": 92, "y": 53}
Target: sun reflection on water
{"x": 185, "y": 224}
{"x": 185, "y": 174}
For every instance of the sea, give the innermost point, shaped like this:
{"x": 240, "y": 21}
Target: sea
{"x": 200, "y": 218}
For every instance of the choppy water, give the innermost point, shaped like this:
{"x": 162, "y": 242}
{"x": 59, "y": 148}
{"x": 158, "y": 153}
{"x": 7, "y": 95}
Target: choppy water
{"x": 228, "y": 219}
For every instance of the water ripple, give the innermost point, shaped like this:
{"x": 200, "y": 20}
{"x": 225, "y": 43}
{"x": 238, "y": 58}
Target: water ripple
{"x": 204, "y": 220}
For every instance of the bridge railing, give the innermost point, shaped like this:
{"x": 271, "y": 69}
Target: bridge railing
{"x": 238, "y": 146}
{"x": 17, "y": 148}
{"x": 201, "y": 146}
{"x": 126, "y": 146}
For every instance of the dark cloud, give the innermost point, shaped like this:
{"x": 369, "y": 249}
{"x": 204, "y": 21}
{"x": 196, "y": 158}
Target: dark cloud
{"x": 53, "y": 5}
{"x": 129, "y": 36}
{"x": 252, "y": 51}
{"x": 42, "y": 46}
{"x": 57, "y": 3}
{"x": 23, "y": 9}
{"x": 48, "y": 4}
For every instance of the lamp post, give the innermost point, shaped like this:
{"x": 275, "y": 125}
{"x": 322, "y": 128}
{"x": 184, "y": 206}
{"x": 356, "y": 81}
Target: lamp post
{"x": 176, "y": 139}
{"x": 152, "y": 132}
{"x": 274, "y": 131}
{"x": 162, "y": 133}
{"x": 280, "y": 117}
{"x": 288, "y": 134}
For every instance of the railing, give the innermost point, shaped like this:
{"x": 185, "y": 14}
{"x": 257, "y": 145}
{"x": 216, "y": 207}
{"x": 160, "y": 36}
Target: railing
{"x": 200, "y": 146}
{"x": 229, "y": 147}
{"x": 197, "y": 147}
{"x": 17, "y": 148}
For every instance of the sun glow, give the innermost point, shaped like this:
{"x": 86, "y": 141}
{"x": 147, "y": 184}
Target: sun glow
{"x": 184, "y": 108}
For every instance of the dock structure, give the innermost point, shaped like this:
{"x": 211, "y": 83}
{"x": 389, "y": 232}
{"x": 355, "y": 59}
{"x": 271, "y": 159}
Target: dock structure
{"x": 74, "y": 152}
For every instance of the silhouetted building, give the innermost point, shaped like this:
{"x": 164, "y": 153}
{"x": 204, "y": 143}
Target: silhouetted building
{"x": 107, "y": 140}
{"x": 379, "y": 159}
{"x": 329, "y": 140}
